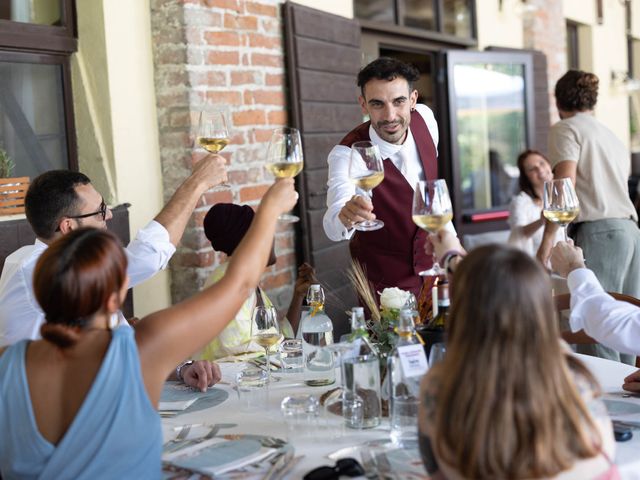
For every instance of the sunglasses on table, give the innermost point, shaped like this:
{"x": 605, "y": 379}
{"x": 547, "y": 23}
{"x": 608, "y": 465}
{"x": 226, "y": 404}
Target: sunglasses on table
{"x": 345, "y": 466}
{"x": 102, "y": 212}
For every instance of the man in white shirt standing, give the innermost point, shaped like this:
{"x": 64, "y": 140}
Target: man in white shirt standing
{"x": 407, "y": 136}
{"x": 60, "y": 201}
{"x": 613, "y": 323}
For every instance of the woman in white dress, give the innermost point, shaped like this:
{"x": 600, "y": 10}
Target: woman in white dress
{"x": 525, "y": 211}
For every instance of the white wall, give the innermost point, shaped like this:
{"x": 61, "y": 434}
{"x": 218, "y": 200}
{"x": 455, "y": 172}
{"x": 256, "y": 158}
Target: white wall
{"x": 337, "y": 7}
{"x": 499, "y": 27}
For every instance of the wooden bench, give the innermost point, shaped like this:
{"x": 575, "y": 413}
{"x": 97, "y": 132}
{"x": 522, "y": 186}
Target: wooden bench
{"x": 12, "y": 193}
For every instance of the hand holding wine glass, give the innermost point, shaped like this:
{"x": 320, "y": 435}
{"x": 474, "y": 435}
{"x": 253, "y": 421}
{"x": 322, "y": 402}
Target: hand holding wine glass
{"x": 265, "y": 331}
{"x": 560, "y": 202}
{"x": 431, "y": 211}
{"x": 285, "y": 158}
{"x": 213, "y": 134}
{"x": 366, "y": 171}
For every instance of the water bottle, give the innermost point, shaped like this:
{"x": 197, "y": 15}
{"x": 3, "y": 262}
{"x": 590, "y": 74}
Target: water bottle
{"x": 317, "y": 332}
{"x": 406, "y": 365}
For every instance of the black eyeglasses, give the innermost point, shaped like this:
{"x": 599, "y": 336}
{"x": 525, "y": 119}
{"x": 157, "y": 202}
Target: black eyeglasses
{"x": 344, "y": 466}
{"x": 102, "y": 212}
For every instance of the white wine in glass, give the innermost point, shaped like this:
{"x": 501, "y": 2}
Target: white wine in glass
{"x": 285, "y": 159}
{"x": 366, "y": 172}
{"x": 265, "y": 331}
{"x": 560, "y": 203}
{"x": 431, "y": 211}
{"x": 213, "y": 134}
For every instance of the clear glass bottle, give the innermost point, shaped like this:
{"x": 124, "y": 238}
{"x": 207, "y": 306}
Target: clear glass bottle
{"x": 317, "y": 332}
{"x": 404, "y": 382}
{"x": 361, "y": 372}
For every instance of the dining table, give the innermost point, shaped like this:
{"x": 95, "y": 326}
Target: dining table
{"x": 323, "y": 440}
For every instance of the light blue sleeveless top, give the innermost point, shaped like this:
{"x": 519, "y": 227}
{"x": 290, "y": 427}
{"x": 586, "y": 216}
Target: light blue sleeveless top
{"x": 115, "y": 434}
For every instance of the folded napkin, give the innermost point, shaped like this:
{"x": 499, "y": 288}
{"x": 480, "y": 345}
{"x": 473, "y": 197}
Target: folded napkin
{"x": 176, "y": 404}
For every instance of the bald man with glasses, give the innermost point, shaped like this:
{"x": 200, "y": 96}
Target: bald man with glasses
{"x": 60, "y": 201}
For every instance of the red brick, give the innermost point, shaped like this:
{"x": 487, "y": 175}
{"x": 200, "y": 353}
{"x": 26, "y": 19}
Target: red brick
{"x": 247, "y": 194}
{"x": 284, "y": 243}
{"x": 218, "y": 196}
{"x": 243, "y": 78}
{"x": 274, "y": 79}
{"x": 258, "y": 40}
{"x": 194, "y": 259}
{"x": 270, "y": 25}
{"x": 261, "y": 9}
{"x": 277, "y": 280}
{"x": 225, "y": 98}
{"x": 278, "y": 117}
{"x": 198, "y": 217}
{"x": 237, "y": 138}
{"x": 211, "y": 79}
{"x": 222, "y": 38}
{"x": 285, "y": 260}
{"x": 266, "y": 60}
{"x": 194, "y": 239}
{"x": 249, "y": 117}
{"x": 267, "y": 97}
{"x": 238, "y": 177}
{"x": 262, "y": 135}
{"x": 165, "y": 100}
{"x": 228, "y": 4}
{"x": 223, "y": 58}
{"x": 240, "y": 22}
{"x": 179, "y": 119}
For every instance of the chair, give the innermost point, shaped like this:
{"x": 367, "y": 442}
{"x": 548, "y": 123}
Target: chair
{"x": 563, "y": 302}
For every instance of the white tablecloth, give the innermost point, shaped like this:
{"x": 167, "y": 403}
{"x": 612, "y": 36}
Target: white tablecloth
{"x": 321, "y": 440}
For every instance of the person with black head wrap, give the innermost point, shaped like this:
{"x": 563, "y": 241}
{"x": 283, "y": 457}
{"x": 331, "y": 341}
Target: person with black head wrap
{"x": 224, "y": 226}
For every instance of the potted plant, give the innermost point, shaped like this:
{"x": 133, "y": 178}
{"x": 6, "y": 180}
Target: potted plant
{"x": 6, "y": 164}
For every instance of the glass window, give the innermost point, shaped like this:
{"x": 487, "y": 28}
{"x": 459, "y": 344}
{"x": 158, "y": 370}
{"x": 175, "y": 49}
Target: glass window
{"x": 491, "y": 131}
{"x": 456, "y": 18}
{"x": 573, "y": 46}
{"x": 420, "y": 14}
{"x": 32, "y": 118}
{"x": 40, "y": 12}
{"x": 376, "y": 10}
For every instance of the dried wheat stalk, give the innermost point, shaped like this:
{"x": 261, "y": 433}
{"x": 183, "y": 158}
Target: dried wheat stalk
{"x": 358, "y": 278}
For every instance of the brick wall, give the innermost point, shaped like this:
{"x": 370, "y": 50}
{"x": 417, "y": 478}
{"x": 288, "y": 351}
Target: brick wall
{"x": 227, "y": 53}
{"x": 545, "y": 30}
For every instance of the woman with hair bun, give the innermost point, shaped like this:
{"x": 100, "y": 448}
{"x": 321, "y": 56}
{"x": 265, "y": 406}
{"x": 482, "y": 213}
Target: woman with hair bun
{"x": 599, "y": 164}
{"x": 81, "y": 403}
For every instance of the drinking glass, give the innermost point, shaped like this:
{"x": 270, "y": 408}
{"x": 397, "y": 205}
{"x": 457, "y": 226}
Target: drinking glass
{"x": 366, "y": 171}
{"x": 432, "y": 210}
{"x": 265, "y": 331}
{"x": 437, "y": 353}
{"x": 315, "y": 297}
{"x": 560, "y": 202}
{"x": 285, "y": 159}
{"x": 213, "y": 134}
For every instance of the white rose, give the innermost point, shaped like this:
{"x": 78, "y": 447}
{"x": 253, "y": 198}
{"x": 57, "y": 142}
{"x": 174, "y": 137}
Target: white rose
{"x": 393, "y": 298}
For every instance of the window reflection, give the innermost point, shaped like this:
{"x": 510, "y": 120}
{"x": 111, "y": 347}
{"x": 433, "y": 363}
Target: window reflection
{"x": 41, "y": 12}
{"x": 456, "y": 17}
{"x": 376, "y": 10}
{"x": 420, "y": 14}
{"x": 491, "y": 131}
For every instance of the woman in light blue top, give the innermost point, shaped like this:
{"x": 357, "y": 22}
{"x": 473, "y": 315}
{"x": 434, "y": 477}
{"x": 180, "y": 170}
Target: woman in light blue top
{"x": 80, "y": 403}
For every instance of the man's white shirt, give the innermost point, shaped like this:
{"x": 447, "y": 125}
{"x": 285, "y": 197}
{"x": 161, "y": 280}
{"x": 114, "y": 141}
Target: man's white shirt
{"x": 20, "y": 314}
{"x": 613, "y": 323}
{"x": 340, "y": 189}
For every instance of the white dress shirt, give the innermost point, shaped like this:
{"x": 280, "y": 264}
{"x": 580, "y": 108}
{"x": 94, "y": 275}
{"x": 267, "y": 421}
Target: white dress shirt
{"x": 405, "y": 157}
{"x": 613, "y": 323}
{"x": 20, "y": 314}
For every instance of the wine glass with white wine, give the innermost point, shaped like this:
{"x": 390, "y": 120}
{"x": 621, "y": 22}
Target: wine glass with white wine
{"x": 213, "y": 134}
{"x": 285, "y": 159}
{"x": 560, "y": 202}
{"x": 265, "y": 331}
{"x": 432, "y": 210}
{"x": 366, "y": 171}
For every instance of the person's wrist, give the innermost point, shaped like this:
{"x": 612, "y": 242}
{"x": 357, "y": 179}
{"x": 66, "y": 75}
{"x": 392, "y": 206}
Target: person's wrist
{"x": 181, "y": 369}
{"x": 449, "y": 255}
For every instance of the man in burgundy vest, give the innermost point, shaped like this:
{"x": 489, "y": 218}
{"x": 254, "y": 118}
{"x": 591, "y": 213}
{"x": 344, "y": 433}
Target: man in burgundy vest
{"x": 406, "y": 134}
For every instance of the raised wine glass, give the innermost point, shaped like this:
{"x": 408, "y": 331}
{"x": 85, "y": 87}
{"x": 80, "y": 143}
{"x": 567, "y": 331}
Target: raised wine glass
{"x": 285, "y": 159}
{"x": 366, "y": 171}
{"x": 213, "y": 135}
{"x": 560, "y": 202}
{"x": 432, "y": 210}
{"x": 265, "y": 331}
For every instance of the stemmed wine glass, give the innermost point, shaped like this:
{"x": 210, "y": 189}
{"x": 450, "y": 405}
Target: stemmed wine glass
{"x": 366, "y": 171}
{"x": 213, "y": 134}
{"x": 285, "y": 159}
{"x": 265, "y": 331}
{"x": 560, "y": 203}
{"x": 432, "y": 210}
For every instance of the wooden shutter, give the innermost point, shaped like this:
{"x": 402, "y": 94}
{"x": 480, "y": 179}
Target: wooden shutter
{"x": 323, "y": 59}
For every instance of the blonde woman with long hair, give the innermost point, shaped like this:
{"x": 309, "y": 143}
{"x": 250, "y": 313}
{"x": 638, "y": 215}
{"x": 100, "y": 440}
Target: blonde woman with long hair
{"x": 508, "y": 401}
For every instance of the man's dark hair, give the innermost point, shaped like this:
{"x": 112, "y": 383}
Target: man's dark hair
{"x": 387, "y": 68}
{"x": 50, "y": 197}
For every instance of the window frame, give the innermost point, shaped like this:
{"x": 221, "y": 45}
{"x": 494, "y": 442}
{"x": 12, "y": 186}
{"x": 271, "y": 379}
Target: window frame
{"x": 47, "y": 45}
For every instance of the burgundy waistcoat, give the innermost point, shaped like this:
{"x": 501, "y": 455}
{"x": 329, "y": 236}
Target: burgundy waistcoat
{"x": 393, "y": 255}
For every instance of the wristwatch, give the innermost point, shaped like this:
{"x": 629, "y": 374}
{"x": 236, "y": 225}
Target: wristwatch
{"x": 180, "y": 367}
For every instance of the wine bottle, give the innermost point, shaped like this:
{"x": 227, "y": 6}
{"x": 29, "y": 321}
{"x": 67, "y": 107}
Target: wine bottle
{"x": 440, "y": 320}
